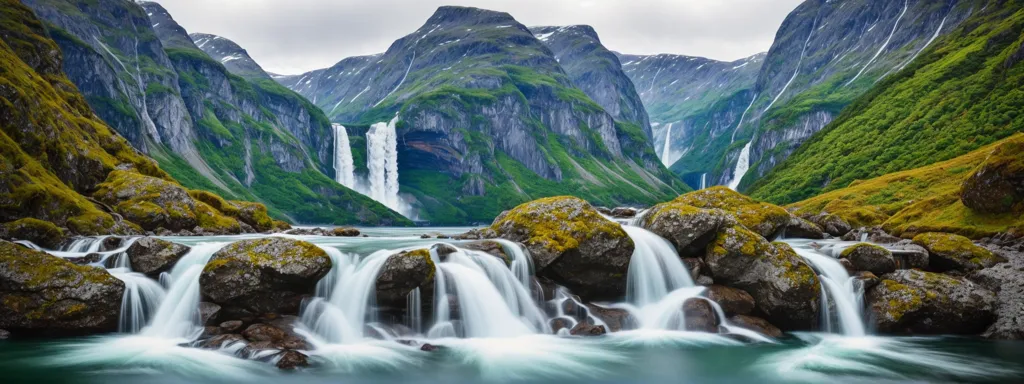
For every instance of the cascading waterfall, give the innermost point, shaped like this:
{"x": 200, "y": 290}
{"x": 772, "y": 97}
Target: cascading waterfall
{"x": 666, "y": 153}
{"x": 703, "y": 180}
{"x": 654, "y": 270}
{"x": 382, "y": 161}
{"x": 178, "y": 314}
{"x": 344, "y": 167}
{"x": 742, "y": 166}
{"x": 339, "y": 313}
{"x": 838, "y": 288}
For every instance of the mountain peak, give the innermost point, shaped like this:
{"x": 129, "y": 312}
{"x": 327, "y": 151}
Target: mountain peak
{"x": 543, "y": 32}
{"x": 235, "y": 58}
{"x": 451, "y": 14}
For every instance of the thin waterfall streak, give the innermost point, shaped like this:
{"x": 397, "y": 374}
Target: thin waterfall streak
{"x": 906, "y": 5}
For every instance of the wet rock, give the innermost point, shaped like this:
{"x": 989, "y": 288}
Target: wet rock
{"x": 918, "y": 302}
{"x": 270, "y": 275}
{"x": 868, "y": 279}
{"x": 290, "y": 360}
{"x": 264, "y": 332}
{"x": 784, "y": 288}
{"x": 91, "y": 258}
{"x": 623, "y": 212}
{"x": 699, "y": 316}
{"x": 733, "y": 301}
{"x": 401, "y": 274}
{"x": 869, "y": 257}
{"x": 559, "y": 323}
{"x": 443, "y": 250}
{"x": 695, "y": 266}
{"x": 221, "y": 341}
{"x": 871, "y": 234}
{"x": 616, "y": 319}
{"x": 848, "y": 266}
{"x": 4, "y": 335}
{"x": 208, "y": 313}
{"x": 151, "y": 256}
{"x": 688, "y": 228}
{"x": 44, "y": 295}
{"x": 210, "y": 331}
{"x": 704, "y": 280}
{"x": 756, "y": 324}
{"x": 831, "y": 224}
{"x": 491, "y": 247}
{"x": 949, "y": 252}
{"x": 587, "y": 329}
{"x": 997, "y": 185}
{"x": 42, "y": 233}
{"x": 111, "y": 243}
{"x": 572, "y": 244}
{"x": 427, "y": 347}
{"x": 909, "y": 255}
{"x": 802, "y": 229}
{"x": 1007, "y": 281}
{"x": 231, "y": 326}
{"x": 767, "y": 220}
{"x": 345, "y": 232}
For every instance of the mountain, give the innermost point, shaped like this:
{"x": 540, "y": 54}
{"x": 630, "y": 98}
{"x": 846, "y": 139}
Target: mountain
{"x": 246, "y": 139}
{"x": 960, "y": 94}
{"x": 63, "y": 171}
{"x": 596, "y": 71}
{"x": 487, "y": 118}
{"x": 231, "y": 55}
{"x": 696, "y": 104}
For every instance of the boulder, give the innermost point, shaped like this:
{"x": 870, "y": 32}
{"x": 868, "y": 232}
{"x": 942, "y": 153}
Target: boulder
{"x": 345, "y": 232}
{"x": 688, "y": 228}
{"x": 756, "y": 324}
{"x": 616, "y": 319}
{"x": 151, "y": 256}
{"x": 623, "y": 212}
{"x": 871, "y": 234}
{"x": 784, "y": 288}
{"x": 699, "y": 316}
{"x": 270, "y": 275}
{"x": 42, "y": 233}
{"x": 802, "y": 229}
{"x": 44, "y": 295}
{"x": 869, "y": 257}
{"x": 221, "y": 341}
{"x": 733, "y": 301}
{"x": 997, "y": 185}
{"x": 949, "y": 252}
{"x": 831, "y": 224}
{"x": 572, "y": 244}
{"x": 255, "y": 215}
{"x": 488, "y": 246}
{"x": 230, "y": 326}
{"x": 918, "y": 302}
{"x": 867, "y": 279}
{"x": 264, "y": 332}
{"x": 586, "y": 329}
{"x": 767, "y": 220}
{"x": 401, "y": 274}
{"x": 208, "y": 313}
{"x": 290, "y": 360}
{"x": 909, "y": 255}
{"x": 695, "y": 266}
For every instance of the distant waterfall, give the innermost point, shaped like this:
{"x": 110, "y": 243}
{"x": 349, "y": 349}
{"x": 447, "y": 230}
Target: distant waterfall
{"x": 382, "y": 161}
{"x": 703, "y": 180}
{"x": 344, "y": 167}
{"x": 666, "y": 154}
{"x": 742, "y": 166}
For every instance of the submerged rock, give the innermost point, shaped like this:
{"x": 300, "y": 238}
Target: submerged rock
{"x": 270, "y": 275}
{"x": 870, "y": 257}
{"x": 623, "y": 212}
{"x": 699, "y": 316}
{"x": 918, "y": 302}
{"x": 401, "y": 274}
{"x": 733, "y": 301}
{"x": 767, "y": 220}
{"x": 572, "y": 244}
{"x": 151, "y": 256}
{"x": 290, "y": 360}
{"x": 44, "y": 295}
{"x": 802, "y": 229}
{"x": 689, "y": 228}
{"x": 949, "y": 252}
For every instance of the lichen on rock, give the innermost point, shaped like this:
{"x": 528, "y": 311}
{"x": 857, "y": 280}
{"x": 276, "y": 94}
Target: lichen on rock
{"x": 688, "y": 228}
{"x": 949, "y": 252}
{"x": 997, "y": 185}
{"x": 768, "y": 220}
{"x": 40, "y": 232}
{"x": 918, "y": 302}
{"x": 870, "y": 257}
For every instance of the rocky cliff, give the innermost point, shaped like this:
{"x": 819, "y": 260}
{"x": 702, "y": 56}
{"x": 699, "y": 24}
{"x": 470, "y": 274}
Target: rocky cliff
{"x": 235, "y": 58}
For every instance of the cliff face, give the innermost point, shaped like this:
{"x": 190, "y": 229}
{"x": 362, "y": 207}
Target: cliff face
{"x": 211, "y": 129}
{"x": 488, "y": 118}
{"x": 235, "y": 58}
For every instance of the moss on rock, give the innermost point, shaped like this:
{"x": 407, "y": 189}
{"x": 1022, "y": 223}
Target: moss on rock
{"x": 688, "y": 228}
{"x": 997, "y": 185}
{"x": 43, "y": 233}
{"x": 948, "y": 252}
{"x": 768, "y": 220}
{"x": 870, "y": 257}
{"x": 918, "y": 302}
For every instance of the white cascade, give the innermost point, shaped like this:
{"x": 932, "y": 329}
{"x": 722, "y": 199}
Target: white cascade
{"x": 382, "y": 161}
{"x": 742, "y": 166}
{"x": 839, "y": 288}
{"x": 654, "y": 269}
{"x": 344, "y": 166}
{"x": 703, "y": 180}
{"x": 338, "y": 314}
{"x": 142, "y": 297}
{"x": 178, "y": 314}
{"x": 666, "y": 153}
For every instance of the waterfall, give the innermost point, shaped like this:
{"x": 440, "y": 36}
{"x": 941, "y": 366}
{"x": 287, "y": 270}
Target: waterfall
{"x": 344, "y": 297}
{"x": 142, "y": 297}
{"x": 703, "y": 180}
{"x": 742, "y": 166}
{"x": 654, "y": 270}
{"x": 178, "y": 314}
{"x": 666, "y": 153}
{"x": 382, "y": 161}
{"x": 344, "y": 167}
{"x": 838, "y": 287}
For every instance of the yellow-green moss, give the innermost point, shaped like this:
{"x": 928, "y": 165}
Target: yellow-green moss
{"x": 214, "y": 201}
{"x": 44, "y": 269}
{"x": 761, "y": 217}
{"x": 551, "y": 223}
{"x": 425, "y": 255}
{"x": 956, "y": 247}
{"x": 909, "y": 299}
{"x": 257, "y": 253}
{"x": 37, "y": 231}
{"x": 849, "y": 251}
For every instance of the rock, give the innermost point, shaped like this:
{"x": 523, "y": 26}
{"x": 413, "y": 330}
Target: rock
{"x": 623, "y": 212}
{"x": 848, "y": 266}
{"x": 918, "y": 302}
{"x": 44, "y": 295}
{"x": 572, "y": 244}
{"x": 264, "y": 332}
{"x": 949, "y": 252}
{"x": 558, "y": 324}
{"x": 871, "y": 234}
{"x": 868, "y": 279}
{"x": 221, "y": 341}
{"x": 210, "y": 331}
{"x": 733, "y": 301}
{"x": 270, "y": 275}
{"x": 427, "y": 347}
{"x": 784, "y": 288}
{"x": 87, "y": 259}
{"x": 587, "y": 329}
{"x": 997, "y": 185}
{"x": 909, "y": 255}
{"x": 802, "y": 229}
{"x": 255, "y": 216}
{"x": 151, "y": 256}
{"x": 346, "y": 232}
{"x": 491, "y": 247}
{"x": 756, "y": 324}
{"x": 695, "y": 266}
{"x": 442, "y": 251}
{"x": 688, "y": 228}
{"x": 401, "y": 274}
{"x": 870, "y": 257}
{"x": 1007, "y": 281}
{"x": 765, "y": 219}
{"x": 231, "y": 326}
{"x": 699, "y": 316}
{"x": 831, "y": 224}
{"x": 111, "y": 243}
{"x": 42, "y": 233}
{"x": 4, "y": 334}
{"x": 208, "y": 313}
{"x": 704, "y": 280}
{"x": 290, "y": 360}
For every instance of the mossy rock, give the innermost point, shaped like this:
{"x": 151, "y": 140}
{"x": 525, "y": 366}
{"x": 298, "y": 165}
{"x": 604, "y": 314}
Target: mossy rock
{"x": 401, "y": 274}
{"x": 255, "y": 214}
{"x": 803, "y": 229}
{"x": 571, "y": 244}
{"x": 688, "y": 228}
{"x": 830, "y": 224}
{"x": 917, "y": 302}
{"x": 870, "y": 257}
{"x": 768, "y": 220}
{"x": 155, "y": 203}
{"x": 152, "y": 256}
{"x": 997, "y": 185}
{"x": 44, "y": 295}
{"x": 42, "y": 233}
{"x": 949, "y": 252}
{"x": 785, "y": 289}
{"x": 270, "y": 275}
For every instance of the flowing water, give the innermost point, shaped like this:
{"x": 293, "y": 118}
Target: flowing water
{"x": 742, "y": 166}
{"x": 484, "y": 314}
{"x": 344, "y": 166}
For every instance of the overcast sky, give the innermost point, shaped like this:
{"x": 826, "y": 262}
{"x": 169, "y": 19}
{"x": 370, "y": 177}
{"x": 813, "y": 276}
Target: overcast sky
{"x": 295, "y": 36}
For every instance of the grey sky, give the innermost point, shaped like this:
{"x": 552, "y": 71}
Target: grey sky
{"x": 295, "y": 36}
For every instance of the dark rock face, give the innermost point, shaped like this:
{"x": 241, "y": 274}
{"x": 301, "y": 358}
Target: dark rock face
{"x": 43, "y": 295}
{"x": 733, "y": 301}
{"x": 616, "y": 319}
{"x": 997, "y": 186}
{"x": 700, "y": 316}
{"x": 572, "y": 244}
{"x": 803, "y": 229}
{"x": 949, "y": 252}
{"x": 291, "y": 360}
{"x": 756, "y": 324}
{"x": 208, "y": 313}
{"x": 871, "y": 258}
{"x": 917, "y": 302}
{"x": 909, "y": 255}
{"x": 690, "y": 229}
{"x": 401, "y": 274}
{"x": 491, "y": 247}
{"x": 269, "y": 275}
{"x": 151, "y": 256}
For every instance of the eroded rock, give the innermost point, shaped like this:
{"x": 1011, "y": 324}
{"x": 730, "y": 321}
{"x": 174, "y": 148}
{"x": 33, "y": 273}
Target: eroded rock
{"x": 918, "y": 302}
{"x": 151, "y": 256}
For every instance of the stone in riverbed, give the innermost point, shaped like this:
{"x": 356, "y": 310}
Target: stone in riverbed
{"x": 402, "y": 273}
{"x": 151, "y": 256}
{"x": 733, "y": 301}
{"x": 831, "y": 224}
{"x": 586, "y": 329}
{"x": 949, "y": 252}
{"x": 42, "y": 233}
{"x": 616, "y": 319}
{"x": 874, "y": 234}
{"x": 767, "y": 220}
{"x": 208, "y": 313}
{"x": 870, "y": 257}
{"x": 756, "y": 324}
{"x": 688, "y": 228}
{"x": 699, "y": 316}
{"x": 291, "y": 360}
{"x": 918, "y": 302}
{"x": 231, "y": 326}
{"x": 802, "y": 229}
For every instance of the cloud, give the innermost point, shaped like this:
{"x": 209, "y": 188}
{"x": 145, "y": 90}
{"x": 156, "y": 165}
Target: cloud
{"x": 296, "y": 36}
